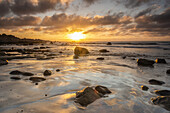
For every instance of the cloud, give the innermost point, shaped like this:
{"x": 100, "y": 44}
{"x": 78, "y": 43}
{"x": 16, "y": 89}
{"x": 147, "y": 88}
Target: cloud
{"x": 146, "y": 11}
{"x": 19, "y": 21}
{"x": 157, "y": 24}
{"x": 26, "y": 7}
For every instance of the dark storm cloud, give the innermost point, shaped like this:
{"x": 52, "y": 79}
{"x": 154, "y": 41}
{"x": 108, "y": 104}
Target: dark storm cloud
{"x": 19, "y": 21}
{"x": 158, "y": 23}
{"x": 146, "y": 11}
{"x": 64, "y": 20}
{"x": 25, "y": 7}
{"x": 4, "y": 8}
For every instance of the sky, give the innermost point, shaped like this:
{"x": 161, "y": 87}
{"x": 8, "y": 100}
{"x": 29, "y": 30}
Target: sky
{"x": 99, "y": 20}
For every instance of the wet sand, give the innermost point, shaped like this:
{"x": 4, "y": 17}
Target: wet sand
{"x": 57, "y": 93}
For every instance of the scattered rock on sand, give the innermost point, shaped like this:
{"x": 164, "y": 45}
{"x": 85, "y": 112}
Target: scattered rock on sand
{"x": 15, "y": 78}
{"x": 16, "y": 72}
{"x": 103, "y": 50}
{"x": 57, "y": 70}
{"x": 162, "y": 92}
{"x": 145, "y": 62}
{"x": 3, "y": 62}
{"x": 100, "y": 58}
{"x": 27, "y": 74}
{"x": 89, "y": 95}
{"x": 109, "y": 43}
{"x": 47, "y": 73}
{"x": 145, "y": 88}
{"x": 162, "y": 61}
{"x": 162, "y": 100}
{"x": 156, "y": 82}
{"x": 79, "y": 51}
{"x": 37, "y": 79}
{"x": 102, "y": 89}
{"x": 168, "y": 71}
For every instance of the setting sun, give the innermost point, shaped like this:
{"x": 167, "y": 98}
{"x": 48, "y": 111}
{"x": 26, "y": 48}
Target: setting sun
{"x": 76, "y": 36}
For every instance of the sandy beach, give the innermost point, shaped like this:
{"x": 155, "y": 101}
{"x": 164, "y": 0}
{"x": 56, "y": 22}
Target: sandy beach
{"x": 117, "y": 70}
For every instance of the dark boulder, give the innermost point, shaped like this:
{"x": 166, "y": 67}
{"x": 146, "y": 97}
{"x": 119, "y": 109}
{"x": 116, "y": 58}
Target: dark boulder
{"x": 162, "y": 61}
{"x": 89, "y": 95}
{"x": 27, "y": 74}
{"x": 145, "y": 88}
{"x": 79, "y": 51}
{"x": 86, "y": 96}
{"x": 103, "y": 50}
{"x": 57, "y": 70}
{"x": 3, "y": 62}
{"x": 168, "y": 71}
{"x": 145, "y": 62}
{"x": 100, "y": 58}
{"x": 15, "y": 78}
{"x": 16, "y": 72}
{"x": 47, "y": 73}
{"x": 162, "y": 92}
{"x": 124, "y": 57}
{"x": 102, "y": 89}
{"x": 156, "y": 82}
{"x": 163, "y": 101}
{"x": 109, "y": 43}
{"x": 37, "y": 79}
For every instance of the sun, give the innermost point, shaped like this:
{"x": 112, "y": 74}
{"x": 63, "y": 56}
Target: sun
{"x": 76, "y": 36}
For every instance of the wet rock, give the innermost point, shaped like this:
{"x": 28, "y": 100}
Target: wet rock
{"x": 89, "y": 95}
{"x": 162, "y": 92}
{"x": 15, "y": 78}
{"x": 162, "y": 61}
{"x": 16, "y": 72}
{"x": 86, "y": 96}
{"x": 103, "y": 50}
{"x": 168, "y": 71}
{"x": 156, "y": 82}
{"x": 100, "y": 58}
{"x": 145, "y": 88}
{"x": 27, "y": 74}
{"x": 123, "y": 57}
{"x": 79, "y": 51}
{"x": 3, "y": 62}
{"x": 145, "y": 62}
{"x": 57, "y": 70}
{"x": 109, "y": 43}
{"x": 37, "y": 79}
{"x": 102, "y": 89}
{"x": 162, "y": 100}
{"x": 47, "y": 73}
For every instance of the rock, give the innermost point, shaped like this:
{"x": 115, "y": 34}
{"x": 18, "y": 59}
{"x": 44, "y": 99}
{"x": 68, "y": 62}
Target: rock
{"x": 75, "y": 57}
{"x": 145, "y": 88}
{"x": 57, "y": 70}
{"x": 79, "y": 51}
{"x": 16, "y": 72}
{"x": 162, "y": 92}
{"x": 162, "y": 61}
{"x": 27, "y": 74}
{"x": 156, "y": 82}
{"x": 102, "y": 89}
{"x": 15, "y": 78}
{"x": 145, "y": 62}
{"x": 109, "y": 43}
{"x": 36, "y": 48}
{"x": 89, "y": 95}
{"x": 103, "y": 50}
{"x": 37, "y": 79}
{"x": 47, "y": 73}
{"x": 123, "y": 57}
{"x": 3, "y": 62}
{"x": 42, "y": 47}
{"x": 60, "y": 52}
{"x": 100, "y": 58}
{"x": 86, "y": 96}
{"x": 168, "y": 71}
{"x": 162, "y": 100}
